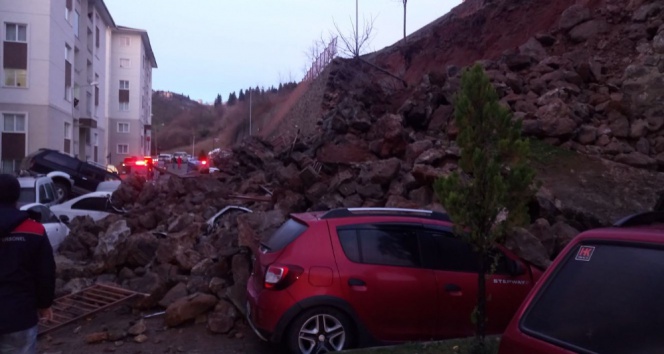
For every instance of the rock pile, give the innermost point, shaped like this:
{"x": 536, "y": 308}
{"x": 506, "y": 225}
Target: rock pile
{"x": 378, "y": 144}
{"x": 163, "y": 247}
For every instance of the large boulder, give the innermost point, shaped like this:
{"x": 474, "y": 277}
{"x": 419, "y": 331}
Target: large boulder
{"x": 222, "y": 318}
{"x": 528, "y": 247}
{"x": 188, "y": 308}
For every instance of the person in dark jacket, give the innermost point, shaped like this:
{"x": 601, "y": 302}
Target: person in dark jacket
{"x": 27, "y": 273}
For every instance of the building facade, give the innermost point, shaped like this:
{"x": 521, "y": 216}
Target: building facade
{"x": 130, "y": 107}
{"x": 57, "y": 80}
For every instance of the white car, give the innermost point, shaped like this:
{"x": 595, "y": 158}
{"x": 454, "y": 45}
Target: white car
{"x": 96, "y": 205}
{"x": 39, "y": 189}
{"x": 56, "y": 230}
{"x": 108, "y": 186}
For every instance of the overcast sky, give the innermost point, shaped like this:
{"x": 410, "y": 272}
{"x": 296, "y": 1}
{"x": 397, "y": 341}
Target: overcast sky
{"x": 209, "y": 47}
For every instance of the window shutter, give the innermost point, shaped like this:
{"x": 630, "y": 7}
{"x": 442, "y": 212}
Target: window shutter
{"x": 96, "y": 96}
{"x": 97, "y": 37}
{"x": 124, "y": 95}
{"x": 16, "y": 55}
{"x": 67, "y": 74}
{"x": 13, "y": 146}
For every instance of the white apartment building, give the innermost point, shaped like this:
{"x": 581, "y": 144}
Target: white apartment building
{"x": 59, "y": 83}
{"x": 130, "y": 84}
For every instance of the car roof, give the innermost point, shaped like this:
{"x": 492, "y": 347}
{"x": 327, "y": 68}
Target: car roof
{"x": 87, "y": 195}
{"x": 29, "y": 181}
{"x": 387, "y": 214}
{"x": 647, "y": 233}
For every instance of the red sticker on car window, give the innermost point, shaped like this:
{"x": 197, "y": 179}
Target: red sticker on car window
{"x": 585, "y": 252}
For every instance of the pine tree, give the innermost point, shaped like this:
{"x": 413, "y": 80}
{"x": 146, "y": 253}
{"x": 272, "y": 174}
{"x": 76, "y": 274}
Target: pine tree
{"x": 217, "y": 101}
{"x": 491, "y": 193}
{"x": 240, "y": 97}
{"x": 231, "y": 99}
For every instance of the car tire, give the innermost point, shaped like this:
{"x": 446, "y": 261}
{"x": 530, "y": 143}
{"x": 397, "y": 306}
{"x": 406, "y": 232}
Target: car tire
{"x": 62, "y": 191}
{"x": 320, "y": 330}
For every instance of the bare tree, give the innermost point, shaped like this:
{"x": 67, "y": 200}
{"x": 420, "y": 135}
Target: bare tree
{"x": 354, "y": 43}
{"x": 317, "y": 47}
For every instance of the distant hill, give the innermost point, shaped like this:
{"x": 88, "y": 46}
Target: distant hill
{"x": 177, "y": 120}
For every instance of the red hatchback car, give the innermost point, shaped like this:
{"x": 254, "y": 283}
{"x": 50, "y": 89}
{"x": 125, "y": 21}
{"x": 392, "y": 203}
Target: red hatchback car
{"x": 603, "y": 294}
{"x": 327, "y": 281}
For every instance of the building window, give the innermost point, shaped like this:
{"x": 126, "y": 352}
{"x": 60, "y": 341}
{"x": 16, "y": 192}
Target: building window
{"x": 125, "y": 63}
{"x": 68, "y": 73}
{"x": 123, "y": 127}
{"x": 123, "y": 95}
{"x": 16, "y": 33}
{"x": 67, "y": 142}
{"x": 13, "y": 123}
{"x": 97, "y": 36}
{"x": 15, "y": 77}
{"x": 15, "y": 61}
{"x": 89, "y": 40}
{"x": 125, "y": 41}
{"x": 88, "y": 105}
{"x": 68, "y": 7}
{"x": 76, "y": 22}
{"x": 123, "y": 149}
{"x": 13, "y": 140}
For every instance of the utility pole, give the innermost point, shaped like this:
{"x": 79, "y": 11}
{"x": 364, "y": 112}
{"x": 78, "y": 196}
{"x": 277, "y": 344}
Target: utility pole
{"x": 250, "y": 111}
{"x": 357, "y": 31}
{"x": 193, "y": 143}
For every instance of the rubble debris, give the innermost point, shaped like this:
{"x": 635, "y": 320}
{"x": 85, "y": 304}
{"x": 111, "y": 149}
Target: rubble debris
{"x": 577, "y": 89}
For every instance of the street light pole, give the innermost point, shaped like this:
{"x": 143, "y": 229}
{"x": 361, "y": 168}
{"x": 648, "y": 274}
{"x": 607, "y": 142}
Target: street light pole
{"x": 250, "y": 111}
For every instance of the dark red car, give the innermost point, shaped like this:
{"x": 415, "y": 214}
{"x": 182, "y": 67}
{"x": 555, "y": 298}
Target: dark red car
{"x": 326, "y": 281}
{"x": 603, "y": 294}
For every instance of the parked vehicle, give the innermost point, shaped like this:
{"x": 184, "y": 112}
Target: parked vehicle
{"x": 181, "y": 154}
{"x": 56, "y": 230}
{"x": 327, "y": 281}
{"x": 602, "y": 294}
{"x": 165, "y": 159}
{"x": 140, "y": 165}
{"x": 37, "y": 189}
{"x": 108, "y": 186}
{"x": 97, "y": 205}
{"x": 70, "y": 175}
{"x": 198, "y": 165}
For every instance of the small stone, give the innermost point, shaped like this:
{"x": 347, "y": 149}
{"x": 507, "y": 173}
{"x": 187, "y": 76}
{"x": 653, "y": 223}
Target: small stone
{"x": 140, "y": 338}
{"x": 138, "y": 328}
{"x": 96, "y": 337}
{"x": 76, "y": 330}
{"x": 180, "y": 349}
{"x": 118, "y": 343}
{"x": 116, "y": 334}
{"x": 239, "y": 335}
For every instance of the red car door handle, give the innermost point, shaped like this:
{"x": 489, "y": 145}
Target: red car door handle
{"x": 356, "y": 282}
{"x": 453, "y": 289}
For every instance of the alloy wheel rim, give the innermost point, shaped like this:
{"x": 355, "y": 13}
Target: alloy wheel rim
{"x": 321, "y": 333}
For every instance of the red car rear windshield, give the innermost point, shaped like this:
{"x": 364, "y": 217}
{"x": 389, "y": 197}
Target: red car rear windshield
{"x": 284, "y": 235}
{"x": 604, "y": 298}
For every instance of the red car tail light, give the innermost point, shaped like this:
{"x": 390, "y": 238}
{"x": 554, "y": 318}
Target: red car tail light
{"x": 279, "y": 277}
{"x": 203, "y": 162}
{"x": 140, "y": 163}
